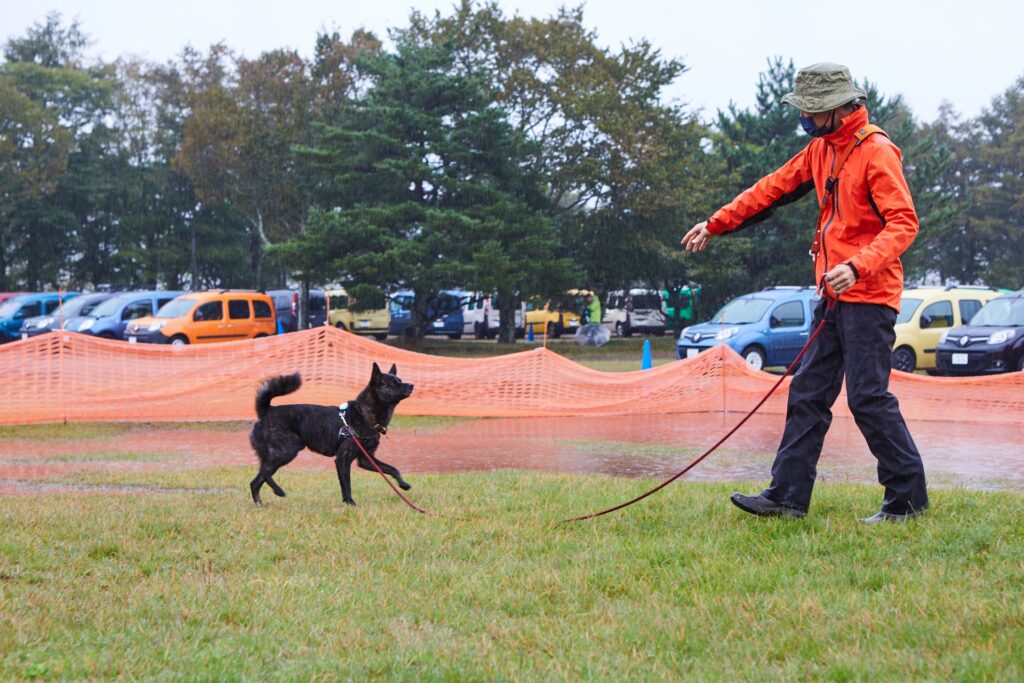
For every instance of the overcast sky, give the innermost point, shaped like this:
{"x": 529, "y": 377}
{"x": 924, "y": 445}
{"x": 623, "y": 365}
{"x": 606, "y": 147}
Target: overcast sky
{"x": 962, "y": 52}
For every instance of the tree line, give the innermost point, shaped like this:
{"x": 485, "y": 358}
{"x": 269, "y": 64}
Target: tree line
{"x": 501, "y": 153}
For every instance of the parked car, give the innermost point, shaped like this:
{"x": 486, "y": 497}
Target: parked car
{"x": 480, "y": 316}
{"x": 992, "y": 342}
{"x": 4, "y": 296}
{"x": 78, "y": 306}
{"x": 768, "y": 328}
{"x": 206, "y": 317}
{"x": 286, "y": 307}
{"x": 110, "y": 318}
{"x": 17, "y": 309}
{"x": 561, "y": 316}
{"x": 444, "y": 313}
{"x": 679, "y": 306}
{"x": 344, "y": 315}
{"x": 636, "y": 310}
{"x": 926, "y": 313}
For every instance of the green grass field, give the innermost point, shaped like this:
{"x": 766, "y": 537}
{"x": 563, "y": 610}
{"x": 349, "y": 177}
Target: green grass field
{"x": 191, "y": 581}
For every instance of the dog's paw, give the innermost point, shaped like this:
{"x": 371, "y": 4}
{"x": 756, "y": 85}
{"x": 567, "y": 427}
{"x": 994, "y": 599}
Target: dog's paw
{"x": 405, "y": 486}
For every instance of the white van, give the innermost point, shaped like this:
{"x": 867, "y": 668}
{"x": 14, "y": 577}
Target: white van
{"x": 479, "y": 317}
{"x": 638, "y": 310}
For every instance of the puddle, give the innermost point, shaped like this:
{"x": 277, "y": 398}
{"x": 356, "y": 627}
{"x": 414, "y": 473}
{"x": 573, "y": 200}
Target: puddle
{"x": 956, "y": 454}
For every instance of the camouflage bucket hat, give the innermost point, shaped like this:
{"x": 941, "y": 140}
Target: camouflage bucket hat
{"x": 823, "y": 87}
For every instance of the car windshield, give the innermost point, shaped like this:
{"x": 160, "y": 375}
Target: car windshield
{"x": 646, "y": 301}
{"x": 86, "y": 306}
{"x": 176, "y": 308}
{"x": 9, "y": 308}
{"x": 80, "y": 305}
{"x": 742, "y": 311}
{"x": 908, "y": 306}
{"x": 108, "y": 307}
{"x": 1007, "y": 312}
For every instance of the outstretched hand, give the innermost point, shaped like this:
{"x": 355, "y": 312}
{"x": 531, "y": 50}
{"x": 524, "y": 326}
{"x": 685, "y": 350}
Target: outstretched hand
{"x": 697, "y": 238}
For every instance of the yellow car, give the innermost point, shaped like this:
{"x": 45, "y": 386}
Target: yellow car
{"x": 340, "y": 313}
{"x": 927, "y": 312}
{"x": 562, "y": 314}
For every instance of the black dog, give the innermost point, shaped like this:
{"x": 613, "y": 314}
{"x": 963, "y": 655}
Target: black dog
{"x": 282, "y": 431}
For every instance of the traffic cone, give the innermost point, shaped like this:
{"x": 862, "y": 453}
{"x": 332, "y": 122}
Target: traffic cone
{"x": 645, "y": 361}
{"x": 529, "y": 333}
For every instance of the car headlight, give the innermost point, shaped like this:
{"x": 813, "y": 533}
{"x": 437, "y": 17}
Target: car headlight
{"x": 40, "y": 324}
{"x": 682, "y": 334}
{"x": 86, "y": 324}
{"x": 157, "y": 325}
{"x": 942, "y": 337}
{"x": 726, "y": 333}
{"x": 1001, "y": 337}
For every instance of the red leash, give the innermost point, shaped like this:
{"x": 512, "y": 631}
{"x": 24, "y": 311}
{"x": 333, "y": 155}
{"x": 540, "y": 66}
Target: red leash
{"x": 385, "y": 477}
{"x": 829, "y": 307}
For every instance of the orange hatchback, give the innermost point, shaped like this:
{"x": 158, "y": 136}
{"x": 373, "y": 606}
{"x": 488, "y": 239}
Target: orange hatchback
{"x": 205, "y": 317}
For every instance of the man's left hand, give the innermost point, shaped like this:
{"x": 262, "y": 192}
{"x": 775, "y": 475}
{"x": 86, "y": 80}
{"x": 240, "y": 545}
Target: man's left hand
{"x": 840, "y": 278}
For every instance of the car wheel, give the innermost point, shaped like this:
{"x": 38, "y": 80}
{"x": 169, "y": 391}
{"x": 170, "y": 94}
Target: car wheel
{"x": 479, "y": 330}
{"x": 179, "y": 340}
{"x": 754, "y": 357}
{"x": 381, "y": 337}
{"x": 456, "y": 336}
{"x": 259, "y": 336}
{"x": 554, "y": 330}
{"x": 1020, "y": 364}
{"x": 904, "y": 359}
{"x": 107, "y": 335}
{"x": 341, "y": 326}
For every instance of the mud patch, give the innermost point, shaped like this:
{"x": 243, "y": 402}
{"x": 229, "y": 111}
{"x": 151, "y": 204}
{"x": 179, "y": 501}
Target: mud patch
{"x": 955, "y": 454}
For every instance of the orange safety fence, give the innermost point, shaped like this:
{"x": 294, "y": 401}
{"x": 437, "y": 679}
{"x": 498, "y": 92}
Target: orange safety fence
{"x": 72, "y": 377}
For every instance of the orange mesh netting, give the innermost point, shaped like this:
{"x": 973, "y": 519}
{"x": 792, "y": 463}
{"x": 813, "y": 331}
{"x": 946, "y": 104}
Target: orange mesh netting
{"x": 74, "y": 377}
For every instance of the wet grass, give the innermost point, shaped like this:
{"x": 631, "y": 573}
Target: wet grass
{"x": 105, "y": 430}
{"x": 113, "y": 457}
{"x": 682, "y": 586}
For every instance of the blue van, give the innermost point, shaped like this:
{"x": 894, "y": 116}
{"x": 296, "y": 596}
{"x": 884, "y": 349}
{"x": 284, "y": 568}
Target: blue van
{"x": 16, "y": 310}
{"x": 444, "y": 313}
{"x": 79, "y": 306}
{"x": 110, "y": 318}
{"x": 768, "y": 328}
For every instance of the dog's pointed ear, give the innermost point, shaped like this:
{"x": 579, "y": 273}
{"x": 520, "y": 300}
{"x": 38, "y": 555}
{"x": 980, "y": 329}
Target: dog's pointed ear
{"x": 393, "y": 370}
{"x": 375, "y": 375}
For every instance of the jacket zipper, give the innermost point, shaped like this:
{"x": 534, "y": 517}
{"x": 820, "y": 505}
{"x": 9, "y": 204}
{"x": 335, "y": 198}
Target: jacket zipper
{"x": 834, "y": 201}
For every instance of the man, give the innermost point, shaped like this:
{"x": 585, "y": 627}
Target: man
{"x": 867, "y": 220}
{"x": 591, "y": 311}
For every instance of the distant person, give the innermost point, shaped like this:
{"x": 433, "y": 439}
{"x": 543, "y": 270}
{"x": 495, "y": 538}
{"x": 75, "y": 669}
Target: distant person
{"x": 866, "y": 222}
{"x": 591, "y": 311}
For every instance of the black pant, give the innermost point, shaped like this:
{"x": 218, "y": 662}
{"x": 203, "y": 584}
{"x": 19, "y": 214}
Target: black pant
{"x": 858, "y": 342}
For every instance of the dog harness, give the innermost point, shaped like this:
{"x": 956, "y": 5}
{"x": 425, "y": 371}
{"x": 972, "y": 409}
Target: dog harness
{"x": 347, "y": 430}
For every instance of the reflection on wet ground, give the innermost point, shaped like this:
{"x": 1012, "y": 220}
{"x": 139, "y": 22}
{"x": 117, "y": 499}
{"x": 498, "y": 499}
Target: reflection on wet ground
{"x": 955, "y": 454}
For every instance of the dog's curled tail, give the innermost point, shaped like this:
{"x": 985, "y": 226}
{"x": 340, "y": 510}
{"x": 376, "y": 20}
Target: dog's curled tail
{"x": 275, "y": 386}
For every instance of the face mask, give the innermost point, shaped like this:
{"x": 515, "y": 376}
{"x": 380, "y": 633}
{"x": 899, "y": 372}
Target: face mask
{"x": 807, "y": 123}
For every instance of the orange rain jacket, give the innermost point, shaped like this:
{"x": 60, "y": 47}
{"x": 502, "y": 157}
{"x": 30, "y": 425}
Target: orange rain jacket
{"x": 872, "y": 219}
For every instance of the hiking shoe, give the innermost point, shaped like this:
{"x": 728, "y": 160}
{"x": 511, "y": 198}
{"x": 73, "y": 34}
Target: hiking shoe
{"x": 883, "y": 516}
{"x": 764, "y": 507}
